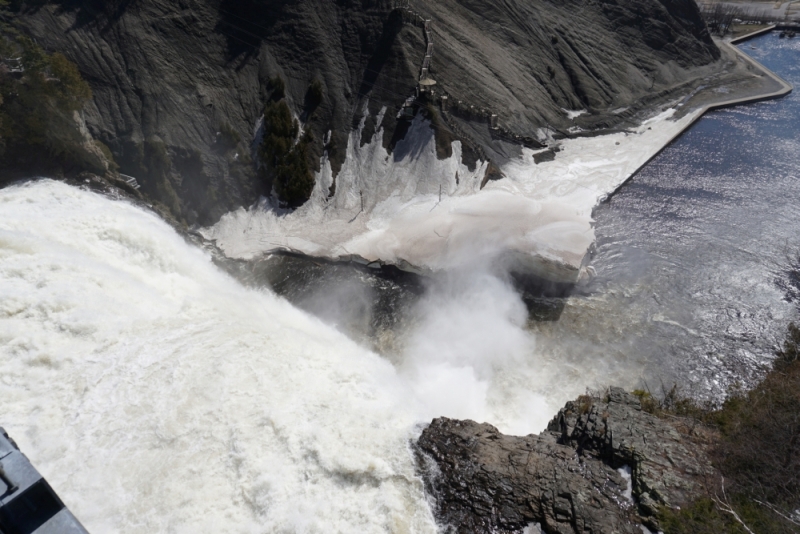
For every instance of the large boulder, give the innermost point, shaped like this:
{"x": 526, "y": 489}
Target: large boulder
{"x": 603, "y": 466}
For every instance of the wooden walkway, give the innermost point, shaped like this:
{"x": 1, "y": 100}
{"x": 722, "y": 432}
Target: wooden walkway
{"x": 130, "y": 180}
{"x": 447, "y": 103}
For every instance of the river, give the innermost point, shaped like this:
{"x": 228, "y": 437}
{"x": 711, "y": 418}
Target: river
{"x": 159, "y": 394}
{"x": 693, "y": 253}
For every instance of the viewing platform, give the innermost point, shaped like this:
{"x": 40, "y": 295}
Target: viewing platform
{"x": 28, "y": 505}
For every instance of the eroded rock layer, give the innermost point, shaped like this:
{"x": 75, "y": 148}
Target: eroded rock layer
{"x": 180, "y": 86}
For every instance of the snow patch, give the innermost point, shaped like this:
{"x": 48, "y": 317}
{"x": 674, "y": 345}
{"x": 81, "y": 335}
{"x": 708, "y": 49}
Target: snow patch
{"x": 625, "y": 472}
{"x": 574, "y": 114}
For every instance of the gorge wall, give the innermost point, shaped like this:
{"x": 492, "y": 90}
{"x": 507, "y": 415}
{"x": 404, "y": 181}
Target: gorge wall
{"x": 179, "y": 87}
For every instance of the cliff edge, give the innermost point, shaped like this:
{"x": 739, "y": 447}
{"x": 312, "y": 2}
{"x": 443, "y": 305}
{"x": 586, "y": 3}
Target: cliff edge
{"x": 179, "y": 88}
{"x": 603, "y": 465}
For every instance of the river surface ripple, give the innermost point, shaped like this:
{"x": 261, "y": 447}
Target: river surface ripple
{"x": 693, "y": 253}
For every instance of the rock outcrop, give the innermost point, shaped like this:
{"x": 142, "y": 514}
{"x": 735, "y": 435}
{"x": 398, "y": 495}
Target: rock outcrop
{"x": 180, "y": 86}
{"x": 69, "y": 130}
{"x": 570, "y": 479}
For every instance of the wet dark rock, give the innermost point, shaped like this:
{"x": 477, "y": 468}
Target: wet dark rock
{"x": 667, "y": 466}
{"x": 565, "y": 479}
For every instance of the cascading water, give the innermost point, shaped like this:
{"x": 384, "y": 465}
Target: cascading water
{"x": 158, "y": 395}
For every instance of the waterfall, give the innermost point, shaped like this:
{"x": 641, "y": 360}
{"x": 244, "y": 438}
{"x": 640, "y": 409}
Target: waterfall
{"x": 158, "y": 395}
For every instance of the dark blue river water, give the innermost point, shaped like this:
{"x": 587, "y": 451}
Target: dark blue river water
{"x": 692, "y": 254}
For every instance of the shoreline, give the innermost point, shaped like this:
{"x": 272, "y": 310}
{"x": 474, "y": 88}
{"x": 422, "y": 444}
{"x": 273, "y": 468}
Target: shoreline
{"x": 565, "y": 191}
{"x": 786, "y": 88}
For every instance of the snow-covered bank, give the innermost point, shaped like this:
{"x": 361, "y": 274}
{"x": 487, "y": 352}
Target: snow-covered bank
{"x": 416, "y": 211}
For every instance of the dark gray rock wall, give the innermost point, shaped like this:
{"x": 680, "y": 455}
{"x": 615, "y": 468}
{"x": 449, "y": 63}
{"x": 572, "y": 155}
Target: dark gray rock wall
{"x": 528, "y": 61}
{"x": 168, "y": 77}
{"x": 565, "y": 479}
{"x": 179, "y": 85}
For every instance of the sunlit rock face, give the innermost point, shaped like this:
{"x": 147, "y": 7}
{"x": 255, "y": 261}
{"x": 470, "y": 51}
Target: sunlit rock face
{"x": 603, "y": 465}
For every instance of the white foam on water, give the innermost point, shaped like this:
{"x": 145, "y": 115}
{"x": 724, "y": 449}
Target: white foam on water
{"x": 471, "y": 326}
{"x": 158, "y": 395}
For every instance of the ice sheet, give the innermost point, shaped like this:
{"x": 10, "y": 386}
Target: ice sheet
{"x": 412, "y": 209}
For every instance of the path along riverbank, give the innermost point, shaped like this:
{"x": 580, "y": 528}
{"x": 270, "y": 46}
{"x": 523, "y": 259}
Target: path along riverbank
{"x": 772, "y": 86}
{"x": 588, "y": 169}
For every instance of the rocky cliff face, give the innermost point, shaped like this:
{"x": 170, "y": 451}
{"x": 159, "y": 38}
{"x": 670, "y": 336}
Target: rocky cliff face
{"x": 180, "y": 86}
{"x": 570, "y": 479}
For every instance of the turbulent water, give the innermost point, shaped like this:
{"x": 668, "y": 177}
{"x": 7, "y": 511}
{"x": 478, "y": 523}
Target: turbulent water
{"x": 158, "y": 394}
{"x": 692, "y": 287}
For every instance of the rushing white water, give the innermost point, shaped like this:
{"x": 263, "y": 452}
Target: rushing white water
{"x": 158, "y": 395}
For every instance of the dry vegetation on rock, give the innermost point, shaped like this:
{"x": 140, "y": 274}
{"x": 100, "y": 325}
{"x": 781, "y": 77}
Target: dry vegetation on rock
{"x": 756, "y": 450}
{"x": 40, "y": 97}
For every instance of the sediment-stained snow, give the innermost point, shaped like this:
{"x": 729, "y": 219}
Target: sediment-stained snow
{"x": 412, "y": 209}
{"x": 588, "y": 169}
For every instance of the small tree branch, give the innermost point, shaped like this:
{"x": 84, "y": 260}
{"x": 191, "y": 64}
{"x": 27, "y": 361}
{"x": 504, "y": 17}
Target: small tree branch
{"x": 777, "y": 511}
{"x": 725, "y": 506}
